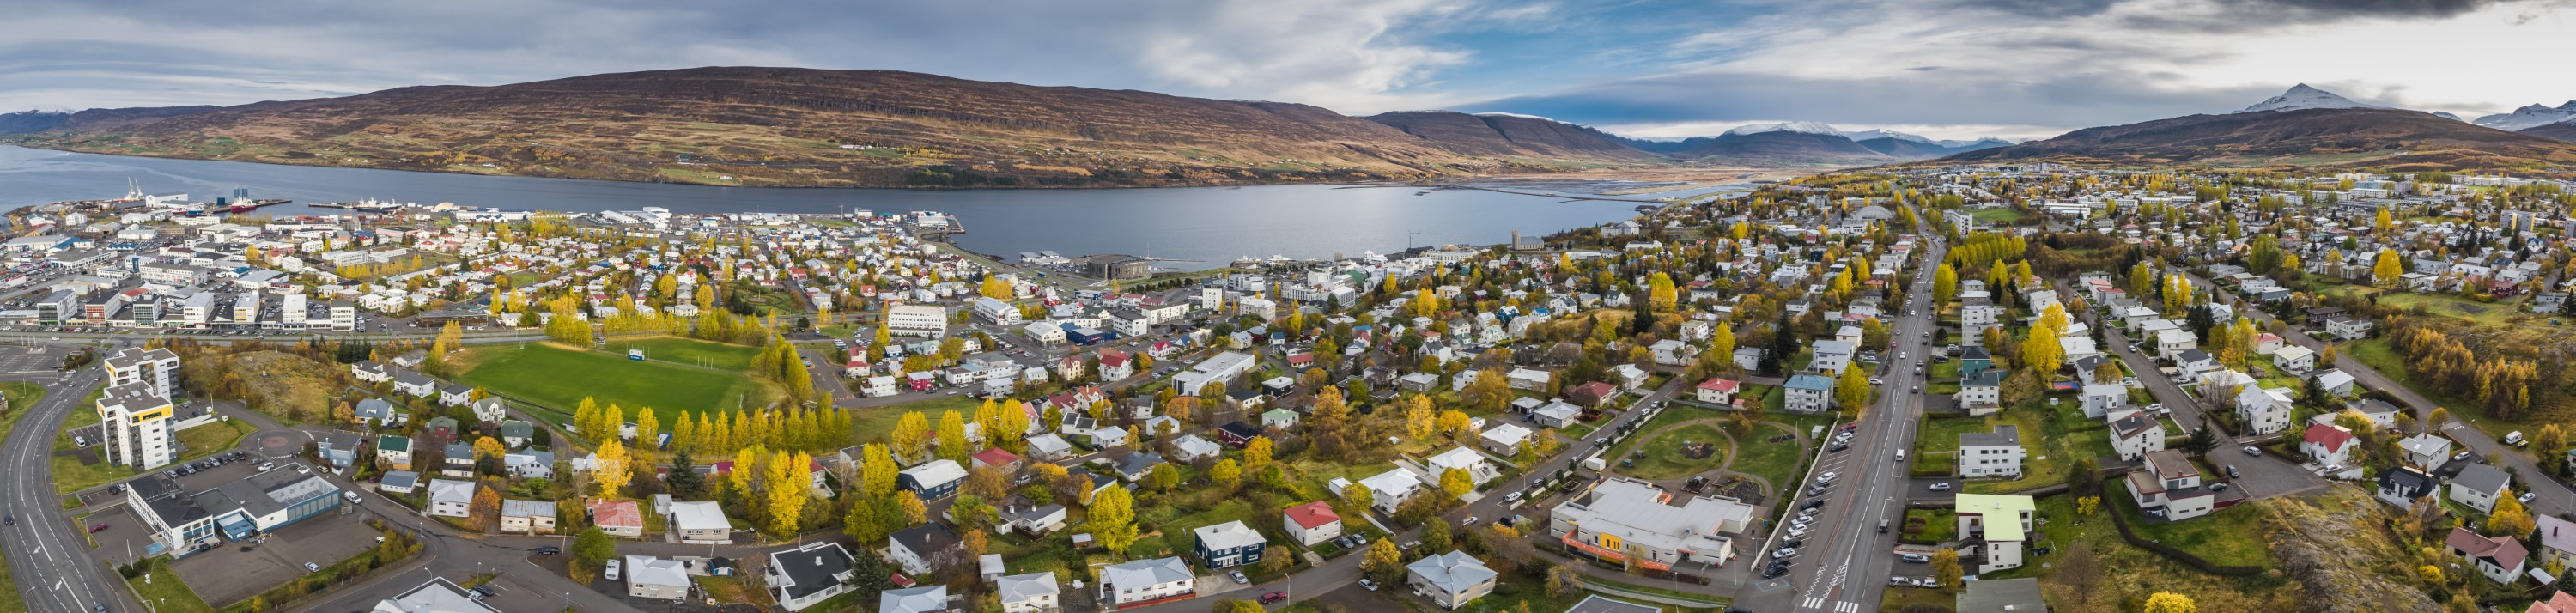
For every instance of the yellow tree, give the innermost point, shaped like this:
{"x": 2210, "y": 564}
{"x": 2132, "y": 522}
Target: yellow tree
{"x": 787, "y": 485}
{"x": 486, "y": 447}
{"x": 877, "y": 471}
{"x": 1257, "y": 452}
{"x": 1457, "y": 483}
{"x": 1852, "y": 391}
{"x": 1417, "y": 416}
{"x": 2387, "y": 268}
{"x": 911, "y": 435}
{"x": 611, "y": 468}
{"x": 952, "y": 436}
{"x": 2169, "y": 602}
{"x": 1113, "y": 519}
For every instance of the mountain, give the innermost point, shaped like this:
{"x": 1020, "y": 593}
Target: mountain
{"x": 2301, "y": 97}
{"x": 807, "y": 127}
{"x": 1787, "y": 145}
{"x": 1921, "y": 148}
{"x": 2527, "y": 117}
{"x": 2447, "y": 115}
{"x": 2564, "y": 130}
{"x": 2318, "y": 137}
{"x": 1511, "y": 135}
{"x": 1802, "y": 127}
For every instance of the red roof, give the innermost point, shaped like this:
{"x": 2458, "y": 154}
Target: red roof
{"x": 1112, "y": 359}
{"x": 2332, "y": 438}
{"x": 617, "y": 513}
{"x": 2506, "y": 551}
{"x": 996, "y": 457}
{"x": 1313, "y": 514}
{"x": 1723, "y": 385}
{"x": 1597, "y": 389}
{"x": 2559, "y": 602}
{"x": 1302, "y": 358}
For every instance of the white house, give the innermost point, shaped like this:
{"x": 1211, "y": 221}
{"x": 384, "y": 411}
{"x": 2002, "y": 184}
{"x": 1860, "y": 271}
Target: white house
{"x": 2478, "y": 486}
{"x": 1146, "y": 580}
{"x": 2295, "y": 359}
{"x": 450, "y": 498}
{"x": 1991, "y": 454}
{"x": 1312, "y": 523}
{"x": 2326, "y": 444}
{"x": 2134, "y": 434}
{"x": 2263, "y": 411}
{"x": 2168, "y": 486}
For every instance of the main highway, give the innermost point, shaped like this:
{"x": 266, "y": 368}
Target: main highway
{"x": 48, "y": 558}
{"x": 1843, "y": 561}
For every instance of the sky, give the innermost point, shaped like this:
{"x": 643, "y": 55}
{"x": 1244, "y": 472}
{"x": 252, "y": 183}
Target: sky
{"x": 1646, "y": 68}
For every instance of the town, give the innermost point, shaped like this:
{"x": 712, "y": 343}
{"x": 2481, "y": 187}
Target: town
{"x": 1944, "y": 387}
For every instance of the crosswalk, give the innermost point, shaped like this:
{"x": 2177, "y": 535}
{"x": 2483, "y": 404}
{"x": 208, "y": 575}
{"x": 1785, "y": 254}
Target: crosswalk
{"x": 1818, "y": 603}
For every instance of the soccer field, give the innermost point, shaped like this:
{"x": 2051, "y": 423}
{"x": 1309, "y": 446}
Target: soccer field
{"x": 560, "y": 377}
{"x": 689, "y": 351}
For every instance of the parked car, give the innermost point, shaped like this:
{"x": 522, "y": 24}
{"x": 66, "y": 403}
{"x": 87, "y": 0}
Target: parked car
{"x": 1913, "y": 558}
{"x": 1367, "y": 583}
{"x": 548, "y": 550}
{"x": 98, "y": 527}
{"x": 614, "y": 564}
{"x": 2253, "y": 451}
{"x": 1273, "y": 597}
{"x": 1943, "y": 486}
{"x": 1238, "y": 577}
{"x": 312, "y": 568}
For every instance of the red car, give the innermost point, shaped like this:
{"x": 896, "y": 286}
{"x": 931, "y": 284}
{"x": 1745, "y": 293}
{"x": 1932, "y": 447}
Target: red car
{"x": 98, "y": 527}
{"x": 1273, "y": 597}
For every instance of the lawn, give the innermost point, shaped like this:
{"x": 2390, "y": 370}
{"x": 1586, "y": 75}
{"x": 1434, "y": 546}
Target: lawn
{"x": 720, "y": 356}
{"x": 2446, "y": 305}
{"x": 1996, "y": 215}
{"x": 1936, "y": 525}
{"x": 2221, "y": 537}
{"x": 1773, "y": 462}
{"x": 2051, "y": 440}
{"x": 1662, "y": 455}
{"x": 165, "y": 592}
{"x": 559, "y": 377}
{"x": 1940, "y": 434}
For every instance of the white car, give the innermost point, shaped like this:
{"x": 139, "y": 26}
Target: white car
{"x": 612, "y": 569}
{"x": 1941, "y": 487}
{"x": 1828, "y": 477}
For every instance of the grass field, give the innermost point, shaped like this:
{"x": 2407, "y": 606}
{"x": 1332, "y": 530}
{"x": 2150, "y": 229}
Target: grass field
{"x": 688, "y": 351}
{"x": 166, "y": 593}
{"x": 70, "y": 475}
{"x": 1939, "y": 434}
{"x": 2219, "y": 537}
{"x": 1664, "y": 460}
{"x": 2446, "y": 305}
{"x": 1996, "y": 215}
{"x": 1774, "y": 462}
{"x": 560, "y": 377}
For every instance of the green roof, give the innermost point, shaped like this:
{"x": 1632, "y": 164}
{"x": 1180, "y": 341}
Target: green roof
{"x": 393, "y": 443}
{"x": 1992, "y": 507}
{"x": 2000, "y": 595}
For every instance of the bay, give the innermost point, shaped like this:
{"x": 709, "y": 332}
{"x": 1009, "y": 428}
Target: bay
{"x": 1192, "y": 228}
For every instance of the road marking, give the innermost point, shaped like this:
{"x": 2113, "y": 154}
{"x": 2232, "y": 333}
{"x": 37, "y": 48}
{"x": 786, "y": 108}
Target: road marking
{"x": 1847, "y": 607}
{"x": 1813, "y": 602}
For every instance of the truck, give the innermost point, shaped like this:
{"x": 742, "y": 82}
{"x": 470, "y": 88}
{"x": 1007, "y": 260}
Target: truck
{"x": 1595, "y": 463}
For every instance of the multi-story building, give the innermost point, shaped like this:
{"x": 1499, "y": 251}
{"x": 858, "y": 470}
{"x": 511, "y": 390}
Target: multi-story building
{"x": 2168, "y": 487}
{"x": 344, "y": 315}
{"x": 1991, "y": 454}
{"x": 187, "y": 523}
{"x": 1147, "y": 580}
{"x": 157, "y": 369}
{"x": 136, "y": 425}
{"x": 916, "y": 320}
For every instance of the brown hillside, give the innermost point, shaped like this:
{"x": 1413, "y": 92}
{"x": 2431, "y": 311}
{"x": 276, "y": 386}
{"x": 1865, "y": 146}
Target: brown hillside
{"x": 787, "y": 126}
{"x": 2322, "y": 138}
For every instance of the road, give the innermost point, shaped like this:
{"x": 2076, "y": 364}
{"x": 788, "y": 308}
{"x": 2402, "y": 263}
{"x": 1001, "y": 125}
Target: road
{"x": 2265, "y": 477}
{"x": 48, "y": 557}
{"x": 1841, "y": 564}
{"x": 2554, "y": 497}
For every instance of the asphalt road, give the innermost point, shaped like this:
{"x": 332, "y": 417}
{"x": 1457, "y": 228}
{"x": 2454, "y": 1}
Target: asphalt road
{"x": 48, "y": 558}
{"x": 2264, "y": 477}
{"x": 1843, "y": 564}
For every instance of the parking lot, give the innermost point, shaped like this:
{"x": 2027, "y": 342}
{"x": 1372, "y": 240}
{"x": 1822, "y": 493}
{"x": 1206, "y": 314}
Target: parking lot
{"x": 29, "y": 359}
{"x": 238, "y": 570}
{"x": 124, "y": 540}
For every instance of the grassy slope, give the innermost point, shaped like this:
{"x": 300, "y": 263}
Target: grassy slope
{"x": 560, "y": 377}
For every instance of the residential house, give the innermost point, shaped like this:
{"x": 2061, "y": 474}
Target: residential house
{"x": 527, "y": 516}
{"x": 2168, "y": 487}
{"x": 1556, "y": 414}
{"x": 1388, "y": 490}
{"x": 701, "y": 522}
{"x": 2426, "y": 451}
{"x": 802, "y": 576}
{"x": 1144, "y": 581}
{"x": 924, "y": 599}
{"x": 651, "y": 577}
{"x": 921, "y": 549}
{"x": 2326, "y": 444}
{"x": 1450, "y": 579}
{"x": 1028, "y": 593}
{"x": 617, "y": 517}
{"x": 1994, "y": 529}
{"x": 2020, "y": 595}
{"x": 2263, "y": 411}
{"x": 1228, "y": 545}
{"x": 2295, "y": 359}
{"x": 932, "y": 480}
{"x": 2404, "y": 485}
{"x": 1312, "y": 523}
{"x": 2500, "y": 558}
{"x": 2134, "y": 434}
{"x": 1504, "y": 439}
{"x": 2104, "y": 399}
{"x": 1718, "y": 391}
{"x": 1991, "y": 454}
{"x": 449, "y": 498}
{"x": 2478, "y": 486}
{"x": 2557, "y": 541}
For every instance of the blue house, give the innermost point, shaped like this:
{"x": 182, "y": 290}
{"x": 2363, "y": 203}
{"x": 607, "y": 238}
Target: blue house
{"x": 932, "y": 480}
{"x": 1973, "y": 360}
{"x": 1084, "y": 336}
{"x": 1229, "y": 544}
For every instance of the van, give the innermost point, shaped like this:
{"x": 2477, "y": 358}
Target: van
{"x": 1915, "y": 558}
{"x": 1882, "y": 526}
{"x": 352, "y": 496}
{"x": 1900, "y": 455}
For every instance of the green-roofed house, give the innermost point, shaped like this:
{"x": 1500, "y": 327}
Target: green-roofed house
{"x": 2002, "y": 596}
{"x": 1993, "y": 530}
{"x": 515, "y": 433}
{"x": 1279, "y": 418}
{"x": 394, "y": 451}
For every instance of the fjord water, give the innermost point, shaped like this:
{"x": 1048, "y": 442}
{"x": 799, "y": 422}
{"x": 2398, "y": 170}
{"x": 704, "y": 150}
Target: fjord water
{"x": 1197, "y": 227}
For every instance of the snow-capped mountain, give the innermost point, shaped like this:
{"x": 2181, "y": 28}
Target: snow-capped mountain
{"x": 2302, "y": 97}
{"x": 1886, "y": 133}
{"x": 1808, "y": 127}
{"x": 2447, "y": 115}
{"x": 2529, "y": 117}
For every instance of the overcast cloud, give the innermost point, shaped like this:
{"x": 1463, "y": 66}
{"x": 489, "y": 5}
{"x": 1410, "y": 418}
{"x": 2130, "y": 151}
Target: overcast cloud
{"x": 1944, "y": 68}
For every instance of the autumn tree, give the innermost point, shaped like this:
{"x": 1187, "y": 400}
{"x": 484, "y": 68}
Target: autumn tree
{"x": 1113, "y": 519}
{"x": 611, "y": 468}
{"x": 2169, "y": 602}
{"x": 1852, "y": 392}
{"x": 1457, "y": 483}
{"x": 1945, "y": 568}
